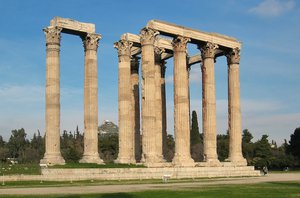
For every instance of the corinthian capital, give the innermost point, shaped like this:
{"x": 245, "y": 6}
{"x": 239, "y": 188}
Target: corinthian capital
{"x": 147, "y": 36}
{"x": 233, "y": 56}
{"x": 208, "y": 50}
{"x": 52, "y": 35}
{"x": 179, "y": 43}
{"x": 91, "y": 41}
{"x": 123, "y": 47}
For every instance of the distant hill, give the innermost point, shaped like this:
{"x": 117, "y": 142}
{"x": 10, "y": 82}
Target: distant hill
{"x": 108, "y": 127}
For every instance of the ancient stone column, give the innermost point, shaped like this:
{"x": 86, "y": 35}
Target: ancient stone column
{"x": 52, "y": 137}
{"x": 158, "y": 99}
{"x": 90, "y": 154}
{"x": 182, "y": 155}
{"x": 209, "y": 104}
{"x": 135, "y": 98}
{"x": 164, "y": 108}
{"x": 234, "y": 109}
{"x": 126, "y": 110}
{"x": 147, "y": 39}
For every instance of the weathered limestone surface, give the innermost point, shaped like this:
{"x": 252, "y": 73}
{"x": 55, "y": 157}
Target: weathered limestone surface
{"x": 147, "y": 39}
{"x": 72, "y": 26}
{"x": 135, "y": 92}
{"x": 90, "y": 41}
{"x": 147, "y": 173}
{"x": 182, "y": 156}
{"x": 195, "y": 35}
{"x": 91, "y": 155}
{"x": 126, "y": 128}
{"x": 52, "y": 116}
{"x": 209, "y": 105}
{"x": 234, "y": 109}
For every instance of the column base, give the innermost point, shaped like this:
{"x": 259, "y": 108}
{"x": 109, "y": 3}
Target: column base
{"x": 53, "y": 159}
{"x": 152, "y": 159}
{"x": 183, "y": 161}
{"x": 211, "y": 163}
{"x": 237, "y": 161}
{"x": 95, "y": 159}
{"x": 125, "y": 160}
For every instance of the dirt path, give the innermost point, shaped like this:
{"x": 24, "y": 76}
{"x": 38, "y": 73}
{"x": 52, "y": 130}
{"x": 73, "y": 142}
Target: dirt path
{"x": 142, "y": 187}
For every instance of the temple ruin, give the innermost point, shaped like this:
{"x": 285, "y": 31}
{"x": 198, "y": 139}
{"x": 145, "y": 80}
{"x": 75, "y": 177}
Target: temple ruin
{"x": 156, "y": 42}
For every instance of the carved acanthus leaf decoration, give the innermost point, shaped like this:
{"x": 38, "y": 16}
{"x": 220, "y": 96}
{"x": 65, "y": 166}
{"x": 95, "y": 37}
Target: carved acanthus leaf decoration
{"x": 123, "y": 47}
{"x": 208, "y": 50}
{"x": 233, "y": 57}
{"x": 91, "y": 41}
{"x": 148, "y": 36}
{"x": 180, "y": 43}
{"x": 52, "y": 35}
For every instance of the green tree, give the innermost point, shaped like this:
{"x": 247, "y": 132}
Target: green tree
{"x": 294, "y": 146}
{"x": 194, "y": 135}
{"x": 17, "y": 144}
{"x": 262, "y": 152}
{"x": 108, "y": 146}
{"x": 170, "y": 148}
{"x": 4, "y": 151}
{"x": 223, "y": 146}
{"x": 247, "y": 145}
{"x": 2, "y": 142}
{"x": 69, "y": 149}
{"x": 196, "y": 146}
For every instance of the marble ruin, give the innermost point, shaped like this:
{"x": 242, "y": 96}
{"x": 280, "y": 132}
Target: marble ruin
{"x": 157, "y": 42}
{"x": 90, "y": 40}
{"x": 154, "y": 48}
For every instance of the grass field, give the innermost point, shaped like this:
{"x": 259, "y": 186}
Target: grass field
{"x": 19, "y": 169}
{"x": 263, "y": 190}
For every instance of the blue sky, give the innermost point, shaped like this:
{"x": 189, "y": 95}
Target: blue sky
{"x": 270, "y": 59}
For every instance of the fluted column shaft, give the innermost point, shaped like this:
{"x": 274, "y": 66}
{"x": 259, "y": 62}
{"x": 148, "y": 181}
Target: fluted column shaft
{"x": 209, "y": 104}
{"x": 164, "y": 108}
{"x": 136, "y": 106}
{"x": 182, "y": 155}
{"x": 158, "y": 105}
{"x": 234, "y": 109}
{"x": 90, "y": 154}
{"x": 52, "y": 137}
{"x": 126, "y": 129}
{"x": 147, "y": 39}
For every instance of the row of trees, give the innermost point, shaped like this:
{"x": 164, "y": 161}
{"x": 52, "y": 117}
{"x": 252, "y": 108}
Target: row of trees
{"x": 259, "y": 153}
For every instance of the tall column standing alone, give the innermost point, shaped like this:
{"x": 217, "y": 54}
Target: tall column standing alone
{"x": 52, "y": 138}
{"x": 91, "y": 155}
{"x": 182, "y": 155}
{"x": 147, "y": 39}
{"x": 234, "y": 109}
{"x": 136, "y": 106}
{"x": 209, "y": 104}
{"x": 126, "y": 129}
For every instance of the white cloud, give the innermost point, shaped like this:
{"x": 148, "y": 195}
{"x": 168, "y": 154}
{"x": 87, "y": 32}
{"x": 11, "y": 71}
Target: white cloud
{"x": 21, "y": 93}
{"x": 273, "y": 8}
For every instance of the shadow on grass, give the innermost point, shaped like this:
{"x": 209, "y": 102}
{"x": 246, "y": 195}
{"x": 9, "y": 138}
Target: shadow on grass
{"x": 118, "y": 195}
{"x": 289, "y": 184}
{"x": 110, "y": 195}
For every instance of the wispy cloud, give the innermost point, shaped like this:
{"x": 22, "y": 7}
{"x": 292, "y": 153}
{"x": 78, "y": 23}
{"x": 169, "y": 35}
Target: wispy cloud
{"x": 273, "y": 8}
